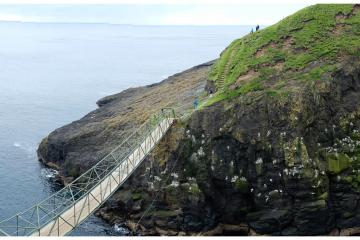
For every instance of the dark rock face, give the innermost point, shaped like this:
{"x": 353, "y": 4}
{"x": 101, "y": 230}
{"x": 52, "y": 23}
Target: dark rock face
{"x": 283, "y": 166}
{"x": 254, "y": 165}
{"x": 257, "y": 164}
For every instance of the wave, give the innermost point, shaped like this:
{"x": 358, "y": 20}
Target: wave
{"x": 29, "y": 149}
{"x": 49, "y": 173}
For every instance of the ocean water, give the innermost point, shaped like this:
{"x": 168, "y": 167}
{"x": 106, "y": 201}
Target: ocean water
{"x": 52, "y": 74}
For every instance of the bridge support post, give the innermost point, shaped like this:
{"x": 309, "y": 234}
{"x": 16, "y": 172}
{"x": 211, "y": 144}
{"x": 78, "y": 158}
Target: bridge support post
{"x": 72, "y": 204}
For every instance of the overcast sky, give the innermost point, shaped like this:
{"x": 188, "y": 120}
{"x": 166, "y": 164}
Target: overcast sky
{"x": 159, "y": 14}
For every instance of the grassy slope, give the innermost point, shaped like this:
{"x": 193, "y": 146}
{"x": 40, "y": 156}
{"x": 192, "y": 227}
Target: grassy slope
{"x": 319, "y": 33}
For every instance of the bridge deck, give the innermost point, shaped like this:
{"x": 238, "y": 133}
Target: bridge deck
{"x": 76, "y": 210}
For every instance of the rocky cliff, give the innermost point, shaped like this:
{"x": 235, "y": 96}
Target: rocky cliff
{"x": 77, "y": 146}
{"x": 274, "y": 150}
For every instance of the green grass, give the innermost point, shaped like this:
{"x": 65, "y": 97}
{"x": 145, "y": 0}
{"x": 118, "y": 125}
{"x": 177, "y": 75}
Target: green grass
{"x": 311, "y": 31}
{"x": 219, "y": 96}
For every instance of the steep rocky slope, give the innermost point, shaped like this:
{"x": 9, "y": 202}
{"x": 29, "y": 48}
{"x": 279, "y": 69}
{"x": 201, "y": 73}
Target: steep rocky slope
{"x": 77, "y": 146}
{"x": 275, "y": 150}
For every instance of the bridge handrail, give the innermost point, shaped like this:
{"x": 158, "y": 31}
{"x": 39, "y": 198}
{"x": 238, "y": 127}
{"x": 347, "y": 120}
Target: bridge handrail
{"x": 67, "y": 195}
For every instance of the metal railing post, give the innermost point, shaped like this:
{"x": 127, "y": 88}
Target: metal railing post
{"x": 142, "y": 140}
{"x": 17, "y": 225}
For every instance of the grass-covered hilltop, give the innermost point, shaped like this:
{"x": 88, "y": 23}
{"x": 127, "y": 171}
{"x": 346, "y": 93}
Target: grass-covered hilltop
{"x": 274, "y": 148}
{"x": 304, "y": 48}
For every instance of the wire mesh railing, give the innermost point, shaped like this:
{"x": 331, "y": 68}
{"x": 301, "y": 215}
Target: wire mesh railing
{"x": 114, "y": 168}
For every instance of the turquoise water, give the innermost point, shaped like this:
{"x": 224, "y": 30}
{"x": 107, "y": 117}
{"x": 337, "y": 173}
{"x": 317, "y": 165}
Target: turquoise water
{"x": 52, "y": 74}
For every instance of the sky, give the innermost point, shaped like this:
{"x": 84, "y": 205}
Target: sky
{"x": 152, "y": 14}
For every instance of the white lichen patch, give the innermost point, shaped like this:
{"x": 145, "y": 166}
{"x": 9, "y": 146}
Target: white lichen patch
{"x": 318, "y": 183}
{"x": 151, "y": 185}
{"x": 268, "y": 133}
{"x": 243, "y": 179}
{"x": 201, "y": 152}
{"x": 174, "y": 183}
{"x": 234, "y": 178}
{"x": 259, "y": 161}
{"x": 191, "y": 179}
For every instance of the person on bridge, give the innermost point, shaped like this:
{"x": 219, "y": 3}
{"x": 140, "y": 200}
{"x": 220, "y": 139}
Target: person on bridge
{"x": 196, "y": 103}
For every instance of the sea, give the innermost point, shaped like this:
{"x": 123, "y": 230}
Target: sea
{"x": 53, "y": 73}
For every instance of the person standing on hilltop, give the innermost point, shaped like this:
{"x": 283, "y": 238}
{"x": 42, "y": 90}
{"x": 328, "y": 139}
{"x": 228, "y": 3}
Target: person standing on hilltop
{"x": 257, "y": 27}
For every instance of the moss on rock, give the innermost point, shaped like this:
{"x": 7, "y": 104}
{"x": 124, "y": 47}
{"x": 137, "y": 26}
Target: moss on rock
{"x": 337, "y": 162}
{"x": 242, "y": 185}
{"x": 295, "y": 152}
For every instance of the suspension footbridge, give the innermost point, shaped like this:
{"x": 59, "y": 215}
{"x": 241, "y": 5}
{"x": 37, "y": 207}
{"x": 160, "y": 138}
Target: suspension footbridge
{"x": 62, "y": 212}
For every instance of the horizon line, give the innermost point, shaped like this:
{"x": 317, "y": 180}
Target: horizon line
{"x": 130, "y": 24}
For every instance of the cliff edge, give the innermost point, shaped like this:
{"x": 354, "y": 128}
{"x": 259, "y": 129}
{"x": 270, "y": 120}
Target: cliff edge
{"x": 274, "y": 150}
